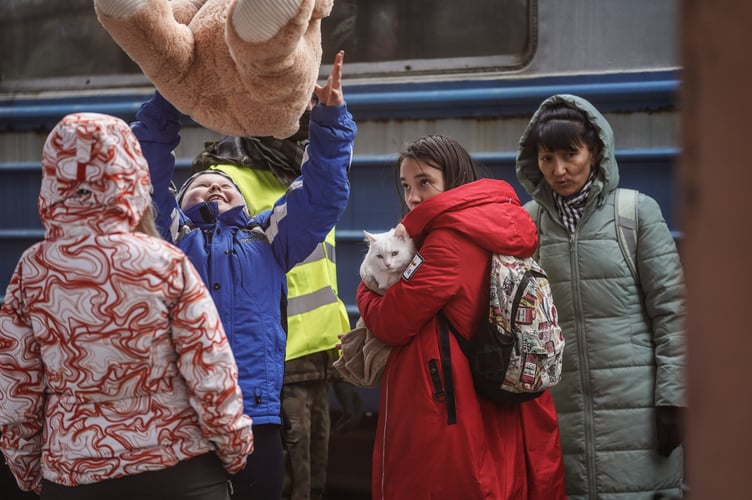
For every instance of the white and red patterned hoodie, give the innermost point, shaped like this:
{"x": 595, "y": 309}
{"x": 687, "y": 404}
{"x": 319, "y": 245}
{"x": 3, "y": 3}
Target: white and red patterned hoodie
{"x": 113, "y": 360}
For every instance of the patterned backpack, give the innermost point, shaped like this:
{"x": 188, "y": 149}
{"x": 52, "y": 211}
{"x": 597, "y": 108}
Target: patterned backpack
{"x": 517, "y": 353}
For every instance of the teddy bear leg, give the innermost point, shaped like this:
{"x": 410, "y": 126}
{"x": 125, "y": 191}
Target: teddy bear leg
{"x": 322, "y": 9}
{"x": 119, "y": 9}
{"x": 257, "y": 21}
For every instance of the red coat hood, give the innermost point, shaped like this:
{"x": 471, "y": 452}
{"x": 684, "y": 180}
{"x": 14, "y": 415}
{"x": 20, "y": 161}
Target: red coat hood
{"x": 487, "y": 211}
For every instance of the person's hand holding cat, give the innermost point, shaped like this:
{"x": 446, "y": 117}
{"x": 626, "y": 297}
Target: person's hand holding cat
{"x": 370, "y": 281}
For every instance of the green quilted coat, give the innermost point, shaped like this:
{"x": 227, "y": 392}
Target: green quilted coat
{"x": 625, "y": 341}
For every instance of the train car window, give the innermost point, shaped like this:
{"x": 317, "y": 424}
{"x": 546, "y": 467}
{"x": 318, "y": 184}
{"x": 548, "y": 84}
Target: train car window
{"x": 429, "y": 36}
{"x": 54, "y": 40}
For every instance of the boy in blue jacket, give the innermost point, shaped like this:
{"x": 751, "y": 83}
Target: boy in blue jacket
{"x": 244, "y": 260}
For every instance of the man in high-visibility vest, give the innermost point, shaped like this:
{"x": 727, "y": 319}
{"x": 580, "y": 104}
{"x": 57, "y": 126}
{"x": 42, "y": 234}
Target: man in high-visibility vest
{"x": 263, "y": 168}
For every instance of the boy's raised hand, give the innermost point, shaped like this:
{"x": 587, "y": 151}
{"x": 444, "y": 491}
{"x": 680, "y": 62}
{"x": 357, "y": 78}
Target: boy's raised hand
{"x": 331, "y": 93}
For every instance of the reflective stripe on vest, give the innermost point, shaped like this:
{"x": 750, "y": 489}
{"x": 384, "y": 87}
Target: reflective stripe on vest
{"x": 315, "y": 313}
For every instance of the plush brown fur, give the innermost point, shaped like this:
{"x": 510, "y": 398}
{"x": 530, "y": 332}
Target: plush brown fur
{"x": 192, "y": 54}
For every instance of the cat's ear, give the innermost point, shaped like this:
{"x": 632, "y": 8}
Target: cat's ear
{"x": 369, "y": 237}
{"x": 400, "y": 232}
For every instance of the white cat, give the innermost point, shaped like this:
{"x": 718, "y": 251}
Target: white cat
{"x": 363, "y": 355}
{"x": 388, "y": 255}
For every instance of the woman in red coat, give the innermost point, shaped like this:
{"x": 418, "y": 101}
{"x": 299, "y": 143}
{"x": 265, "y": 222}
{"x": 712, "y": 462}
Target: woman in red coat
{"x": 493, "y": 451}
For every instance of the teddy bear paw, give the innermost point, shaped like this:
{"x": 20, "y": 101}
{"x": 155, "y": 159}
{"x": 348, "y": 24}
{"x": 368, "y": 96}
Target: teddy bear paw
{"x": 257, "y": 21}
{"x": 119, "y": 9}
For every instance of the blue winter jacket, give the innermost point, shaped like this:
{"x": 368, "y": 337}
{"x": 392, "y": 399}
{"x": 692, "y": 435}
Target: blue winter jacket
{"x": 244, "y": 260}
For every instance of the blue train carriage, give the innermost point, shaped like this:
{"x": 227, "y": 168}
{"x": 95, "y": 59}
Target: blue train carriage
{"x": 474, "y": 70}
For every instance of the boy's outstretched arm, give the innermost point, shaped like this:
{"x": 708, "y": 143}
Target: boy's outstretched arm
{"x": 316, "y": 200}
{"x": 157, "y": 128}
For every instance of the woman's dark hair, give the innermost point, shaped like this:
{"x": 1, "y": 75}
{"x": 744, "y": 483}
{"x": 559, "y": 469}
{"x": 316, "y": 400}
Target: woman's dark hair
{"x": 561, "y": 127}
{"x": 445, "y": 154}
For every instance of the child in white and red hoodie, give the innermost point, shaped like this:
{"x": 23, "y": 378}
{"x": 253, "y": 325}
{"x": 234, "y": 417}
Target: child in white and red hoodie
{"x": 116, "y": 377}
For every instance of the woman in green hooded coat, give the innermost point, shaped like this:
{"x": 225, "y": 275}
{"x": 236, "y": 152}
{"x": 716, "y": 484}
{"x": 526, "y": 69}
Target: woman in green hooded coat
{"x": 623, "y": 390}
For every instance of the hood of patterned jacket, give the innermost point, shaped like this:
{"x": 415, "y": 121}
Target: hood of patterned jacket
{"x": 487, "y": 211}
{"x": 95, "y": 179}
{"x": 528, "y": 173}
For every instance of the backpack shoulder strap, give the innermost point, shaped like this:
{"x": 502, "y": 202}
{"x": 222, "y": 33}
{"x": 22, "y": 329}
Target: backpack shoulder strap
{"x": 627, "y": 224}
{"x": 446, "y": 368}
{"x": 535, "y": 214}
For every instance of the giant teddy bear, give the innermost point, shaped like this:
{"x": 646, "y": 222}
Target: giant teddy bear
{"x": 238, "y": 67}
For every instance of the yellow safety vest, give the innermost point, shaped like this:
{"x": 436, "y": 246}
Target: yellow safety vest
{"x": 315, "y": 313}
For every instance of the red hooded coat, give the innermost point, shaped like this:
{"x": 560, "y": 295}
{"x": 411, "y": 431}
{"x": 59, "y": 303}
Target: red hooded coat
{"x": 493, "y": 451}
